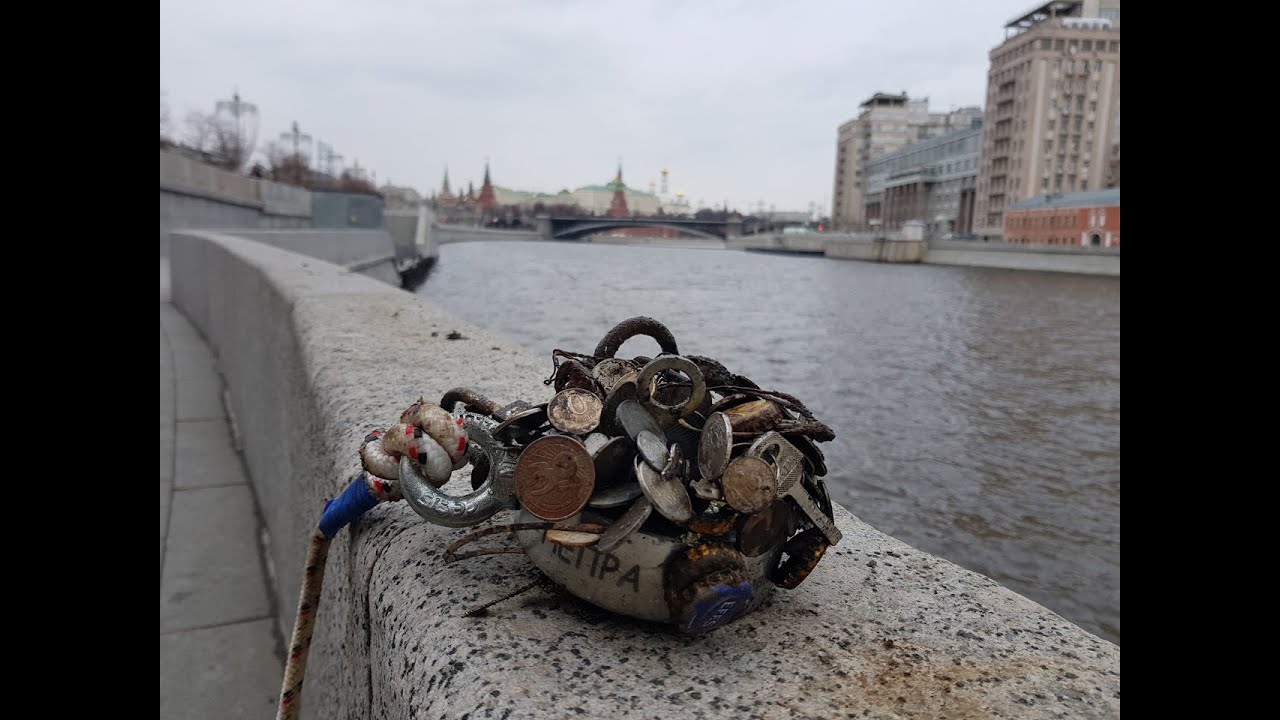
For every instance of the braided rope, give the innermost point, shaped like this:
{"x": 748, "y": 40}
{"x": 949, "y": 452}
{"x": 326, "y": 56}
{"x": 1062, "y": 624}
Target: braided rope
{"x": 442, "y": 442}
{"x": 303, "y": 627}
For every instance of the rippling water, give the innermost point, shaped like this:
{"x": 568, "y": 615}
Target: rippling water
{"x": 976, "y": 411}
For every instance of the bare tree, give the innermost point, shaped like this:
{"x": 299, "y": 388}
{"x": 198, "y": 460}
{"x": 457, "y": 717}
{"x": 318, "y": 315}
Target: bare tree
{"x": 200, "y": 131}
{"x": 166, "y": 129}
{"x": 287, "y": 166}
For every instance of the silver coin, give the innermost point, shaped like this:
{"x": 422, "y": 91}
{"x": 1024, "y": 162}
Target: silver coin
{"x": 633, "y": 418}
{"x": 653, "y": 449}
{"x": 715, "y": 446}
{"x": 616, "y": 496}
{"x": 669, "y": 497}
{"x": 622, "y": 528}
{"x": 594, "y": 442}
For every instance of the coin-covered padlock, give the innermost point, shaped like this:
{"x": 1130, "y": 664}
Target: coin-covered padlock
{"x": 664, "y": 489}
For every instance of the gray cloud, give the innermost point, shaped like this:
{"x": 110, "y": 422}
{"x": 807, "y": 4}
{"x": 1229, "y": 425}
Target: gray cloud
{"x": 741, "y": 100}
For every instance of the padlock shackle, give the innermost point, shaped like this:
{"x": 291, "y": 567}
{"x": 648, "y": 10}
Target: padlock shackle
{"x": 632, "y": 327}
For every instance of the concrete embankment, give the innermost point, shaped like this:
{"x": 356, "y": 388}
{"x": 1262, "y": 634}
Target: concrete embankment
{"x": 1081, "y": 260}
{"x": 901, "y": 248}
{"x": 314, "y": 356}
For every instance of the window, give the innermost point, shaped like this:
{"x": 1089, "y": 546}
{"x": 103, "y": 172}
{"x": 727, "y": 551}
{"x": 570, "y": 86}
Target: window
{"x": 1087, "y": 45}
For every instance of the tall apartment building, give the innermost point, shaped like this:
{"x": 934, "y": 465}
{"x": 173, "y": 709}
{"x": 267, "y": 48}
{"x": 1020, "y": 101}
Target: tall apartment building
{"x": 1053, "y": 108}
{"x": 886, "y": 123}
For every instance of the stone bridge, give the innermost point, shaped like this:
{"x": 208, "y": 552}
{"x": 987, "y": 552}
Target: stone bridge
{"x": 576, "y": 228}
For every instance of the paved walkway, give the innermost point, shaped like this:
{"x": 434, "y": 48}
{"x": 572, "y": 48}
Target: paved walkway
{"x": 219, "y": 655}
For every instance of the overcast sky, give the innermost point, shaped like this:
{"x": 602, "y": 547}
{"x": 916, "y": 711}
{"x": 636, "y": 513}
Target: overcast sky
{"x": 740, "y": 100}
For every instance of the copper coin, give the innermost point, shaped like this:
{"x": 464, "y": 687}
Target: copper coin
{"x": 622, "y": 528}
{"x": 574, "y": 410}
{"x": 616, "y": 496}
{"x": 554, "y": 477}
{"x": 750, "y": 484}
{"x": 715, "y": 446}
{"x": 760, "y": 531}
{"x": 668, "y": 497}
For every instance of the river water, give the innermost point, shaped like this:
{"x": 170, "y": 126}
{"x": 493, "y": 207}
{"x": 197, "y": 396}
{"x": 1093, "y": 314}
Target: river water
{"x": 976, "y": 411}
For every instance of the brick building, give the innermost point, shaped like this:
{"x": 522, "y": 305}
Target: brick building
{"x": 1090, "y": 219}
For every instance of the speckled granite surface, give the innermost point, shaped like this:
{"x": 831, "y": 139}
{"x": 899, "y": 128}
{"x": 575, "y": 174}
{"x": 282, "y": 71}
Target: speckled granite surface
{"x": 315, "y": 356}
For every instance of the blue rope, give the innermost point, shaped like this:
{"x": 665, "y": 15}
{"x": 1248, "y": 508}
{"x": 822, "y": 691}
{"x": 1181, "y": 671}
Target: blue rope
{"x": 351, "y": 504}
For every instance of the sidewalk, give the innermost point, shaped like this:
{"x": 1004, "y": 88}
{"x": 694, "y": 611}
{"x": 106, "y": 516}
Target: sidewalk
{"x": 219, "y": 657}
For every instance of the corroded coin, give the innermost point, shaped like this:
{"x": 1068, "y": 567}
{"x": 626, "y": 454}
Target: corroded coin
{"x": 526, "y": 419}
{"x": 715, "y": 446}
{"x": 610, "y": 371}
{"x": 749, "y": 484}
{"x": 616, "y": 496}
{"x": 653, "y": 449}
{"x": 668, "y": 496}
{"x": 554, "y": 477}
{"x": 613, "y": 462}
{"x": 574, "y": 410}
{"x": 754, "y": 416}
{"x": 760, "y": 531}
{"x": 622, "y": 528}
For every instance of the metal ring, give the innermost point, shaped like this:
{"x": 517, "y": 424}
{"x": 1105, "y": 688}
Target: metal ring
{"x": 644, "y": 381}
{"x": 471, "y": 509}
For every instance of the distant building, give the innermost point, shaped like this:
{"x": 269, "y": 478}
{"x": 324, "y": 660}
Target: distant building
{"x": 1091, "y": 219}
{"x": 1053, "y": 108}
{"x": 400, "y": 198}
{"x": 589, "y": 199}
{"x": 886, "y": 123}
{"x": 931, "y": 181}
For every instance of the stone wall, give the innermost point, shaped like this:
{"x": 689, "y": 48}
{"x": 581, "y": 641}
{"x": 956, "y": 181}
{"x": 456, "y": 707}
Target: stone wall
{"x": 315, "y": 356}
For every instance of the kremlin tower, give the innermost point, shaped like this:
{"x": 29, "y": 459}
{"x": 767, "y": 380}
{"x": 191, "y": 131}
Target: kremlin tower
{"x": 618, "y": 207}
